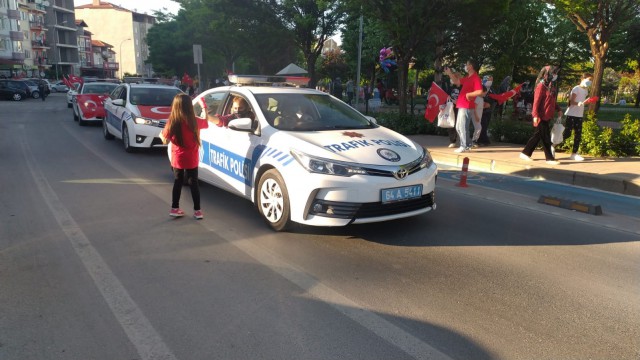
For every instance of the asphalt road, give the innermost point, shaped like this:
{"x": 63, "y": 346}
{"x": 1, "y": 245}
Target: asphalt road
{"x": 92, "y": 267}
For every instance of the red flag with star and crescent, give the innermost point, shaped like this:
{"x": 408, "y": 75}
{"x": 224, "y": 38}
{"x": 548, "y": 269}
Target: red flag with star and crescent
{"x": 503, "y": 97}
{"x": 436, "y": 97}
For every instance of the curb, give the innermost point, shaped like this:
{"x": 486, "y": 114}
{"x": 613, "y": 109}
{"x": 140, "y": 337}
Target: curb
{"x": 596, "y": 181}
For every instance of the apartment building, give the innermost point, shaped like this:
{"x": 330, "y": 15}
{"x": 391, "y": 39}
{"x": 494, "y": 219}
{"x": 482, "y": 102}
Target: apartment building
{"x": 124, "y": 29}
{"x": 63, "y": 39}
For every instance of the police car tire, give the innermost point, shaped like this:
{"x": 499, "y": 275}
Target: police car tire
{"x": 75, "y": 116}
{"x": 105, "y": 131}
{"x": 272, "y": 191}
{"x": 125, "y": 140}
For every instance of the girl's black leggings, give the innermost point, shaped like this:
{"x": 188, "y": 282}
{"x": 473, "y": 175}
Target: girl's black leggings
{"x": 192, "y": 180}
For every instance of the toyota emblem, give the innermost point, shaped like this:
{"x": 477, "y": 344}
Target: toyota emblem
{"x": 401, "y": 174}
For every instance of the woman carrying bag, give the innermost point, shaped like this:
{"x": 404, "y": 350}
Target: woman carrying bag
{"x": 544, "y": 108}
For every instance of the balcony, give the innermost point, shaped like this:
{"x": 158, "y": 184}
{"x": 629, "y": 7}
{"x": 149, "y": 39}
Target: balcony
{"x": 18, "y": 56}
{"x": 39, "y": 44}
{"x": 36, "y": 25}
{"x": 16, "y": 35}
{"x": 13, "y": 14}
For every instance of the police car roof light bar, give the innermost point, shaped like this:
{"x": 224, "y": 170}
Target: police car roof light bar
{"x": 266, "y": 80}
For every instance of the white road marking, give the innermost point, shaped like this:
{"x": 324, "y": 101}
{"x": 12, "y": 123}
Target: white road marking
{"x": 139, "y": 330}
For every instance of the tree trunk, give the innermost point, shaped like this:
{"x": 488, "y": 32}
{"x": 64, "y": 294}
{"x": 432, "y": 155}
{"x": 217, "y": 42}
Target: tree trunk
{"x": 311, "y": 69}
{"x": 403, "y": 71}
{"x": 596, "y": 87}
{"x": 437, "y": 64}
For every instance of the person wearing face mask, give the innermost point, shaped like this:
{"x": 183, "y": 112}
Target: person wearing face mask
{"x": 239, "y": 109}
{"x": 471, "y": 88}
{"x": 575, "y": 112}
{"x": 543, "y": 110}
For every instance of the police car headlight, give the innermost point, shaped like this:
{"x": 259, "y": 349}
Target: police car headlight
{"x": 141, "y": 121}
{"x": 427, "y": 160}
{"x": 324, "y": 166}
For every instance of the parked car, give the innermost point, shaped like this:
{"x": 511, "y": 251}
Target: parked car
{"x": 88, "y": 103}
{"x": 59, "y": 86}
{"x": 136, "y": 113}
{"x": 37, "y": 81}
{"x": 34, "y": 92}
{"x": 12, "y": 90}
{"x": 303, "y": 156}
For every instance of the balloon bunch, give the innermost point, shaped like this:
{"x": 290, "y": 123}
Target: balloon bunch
{"x": 387, "y": 59}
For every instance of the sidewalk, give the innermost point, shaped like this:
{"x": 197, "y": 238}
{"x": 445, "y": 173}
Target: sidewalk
{"x": 619, "y": 175}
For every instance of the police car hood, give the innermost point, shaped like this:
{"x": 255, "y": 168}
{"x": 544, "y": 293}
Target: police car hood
{"x": 379, "y": 146}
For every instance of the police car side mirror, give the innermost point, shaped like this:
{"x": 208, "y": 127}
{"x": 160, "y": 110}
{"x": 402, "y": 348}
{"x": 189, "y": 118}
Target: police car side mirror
{"x": 372, "y": 120}
{"x": 242, "y": 124}
{"x": 118, "y": 102}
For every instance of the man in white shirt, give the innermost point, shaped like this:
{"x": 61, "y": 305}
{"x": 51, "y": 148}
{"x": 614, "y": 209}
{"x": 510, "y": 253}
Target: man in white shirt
{"x": 575, "y": 112}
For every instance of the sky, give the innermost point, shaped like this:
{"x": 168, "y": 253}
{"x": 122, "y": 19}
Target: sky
{"x": 141, "y": 6}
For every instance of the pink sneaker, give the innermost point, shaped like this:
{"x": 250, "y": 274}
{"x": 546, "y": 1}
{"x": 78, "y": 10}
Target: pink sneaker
{"x": 176, "y": 212}
{"x": 198, "y": 215}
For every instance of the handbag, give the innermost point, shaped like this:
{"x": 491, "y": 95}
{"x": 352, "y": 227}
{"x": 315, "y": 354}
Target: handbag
{"x": 447, "y": 117}
{"x": 556, "y": 132}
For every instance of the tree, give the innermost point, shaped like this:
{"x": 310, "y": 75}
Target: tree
{"x": 598, "y": 20}
{"x": 312, "y": 23}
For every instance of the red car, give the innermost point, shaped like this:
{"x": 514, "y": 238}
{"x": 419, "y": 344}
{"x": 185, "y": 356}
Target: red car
{"x": 88, "y": 102}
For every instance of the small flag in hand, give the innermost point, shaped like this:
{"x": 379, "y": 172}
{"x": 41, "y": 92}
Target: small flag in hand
{"x": 502, "y": 98}
{"x": 436, "y": 97}
{"x": 590, "y": 100}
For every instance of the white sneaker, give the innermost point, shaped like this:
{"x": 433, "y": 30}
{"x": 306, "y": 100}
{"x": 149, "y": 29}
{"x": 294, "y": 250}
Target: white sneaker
{"x": 452, "y": 145}
{"x": 525, "y": 157}
{"x": 576, "y": 157}
{"x": 459, "y": 150}
{"x": 553, "y": 162}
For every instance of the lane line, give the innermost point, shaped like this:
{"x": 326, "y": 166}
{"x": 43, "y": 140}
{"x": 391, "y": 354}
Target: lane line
{"x": 137, "y": 327}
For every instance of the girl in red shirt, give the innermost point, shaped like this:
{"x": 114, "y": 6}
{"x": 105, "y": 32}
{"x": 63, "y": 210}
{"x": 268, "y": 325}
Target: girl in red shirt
{"x": 183, "y": 131}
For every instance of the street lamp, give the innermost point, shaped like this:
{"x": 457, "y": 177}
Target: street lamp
{"x": 120, "y": 64}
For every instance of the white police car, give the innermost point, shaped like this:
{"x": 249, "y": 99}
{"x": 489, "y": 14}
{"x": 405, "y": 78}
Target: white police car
{"x": 136, "y": 113}
{"x": 309, "y": 158}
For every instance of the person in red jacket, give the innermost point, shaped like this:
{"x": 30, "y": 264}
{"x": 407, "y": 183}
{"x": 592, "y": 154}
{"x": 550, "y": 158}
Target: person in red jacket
{"x": 183, "y": 131}
{"x": 543, "y": 110}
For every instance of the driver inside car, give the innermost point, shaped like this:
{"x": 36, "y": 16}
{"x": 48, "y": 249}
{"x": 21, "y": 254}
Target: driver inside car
{"x": 239, "y": 109}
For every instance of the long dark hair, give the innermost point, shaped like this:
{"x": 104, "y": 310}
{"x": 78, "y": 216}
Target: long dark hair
{"x": 182, "y": 112}
{"x": 546, "y": 74}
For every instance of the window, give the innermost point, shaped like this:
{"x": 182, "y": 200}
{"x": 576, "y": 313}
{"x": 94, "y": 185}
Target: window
{"x": 4, "y": 43}
{"x": 27, "y": 54}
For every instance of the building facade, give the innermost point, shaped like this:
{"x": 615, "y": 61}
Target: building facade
{"x": 63, "y": 39}
{"x": 125, "y": 30}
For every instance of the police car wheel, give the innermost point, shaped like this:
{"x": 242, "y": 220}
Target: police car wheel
{"x": 273, "y": 200}
{"x": 75, "y": 116}
{"x": 105, "y": 131}
{"x": 125, "y": 140}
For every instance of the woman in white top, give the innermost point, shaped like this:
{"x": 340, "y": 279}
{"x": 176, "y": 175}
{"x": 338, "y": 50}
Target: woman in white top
{"x": 575, "y": 113}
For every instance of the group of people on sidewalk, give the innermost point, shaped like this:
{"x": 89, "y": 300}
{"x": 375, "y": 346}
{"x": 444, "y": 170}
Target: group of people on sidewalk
{"x": 473, "y": 105}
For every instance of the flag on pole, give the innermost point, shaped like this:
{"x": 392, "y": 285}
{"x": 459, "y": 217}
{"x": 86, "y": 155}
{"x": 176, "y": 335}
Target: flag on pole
{"x": 435, "y": 98}
{"x": 75, "y": 79}
{"x": 67, "y": 82}
{"x": 502, "y": 98}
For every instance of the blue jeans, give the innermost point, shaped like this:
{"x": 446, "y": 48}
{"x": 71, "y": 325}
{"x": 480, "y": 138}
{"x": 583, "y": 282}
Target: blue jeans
{"x": 462, "y": 125}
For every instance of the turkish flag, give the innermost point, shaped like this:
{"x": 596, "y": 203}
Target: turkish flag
{"x": 590, "y": 100}
{"x": 67, "y": 82}
{"x": 436, "y": 97}
{"x": 75, "y": 79}
{"x": 502, "y": 98}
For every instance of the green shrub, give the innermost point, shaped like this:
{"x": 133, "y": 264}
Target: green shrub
{"x": 510, "y": 131}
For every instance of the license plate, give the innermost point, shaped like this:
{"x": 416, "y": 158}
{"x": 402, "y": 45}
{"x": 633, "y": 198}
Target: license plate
{"x": 401, "y": 193}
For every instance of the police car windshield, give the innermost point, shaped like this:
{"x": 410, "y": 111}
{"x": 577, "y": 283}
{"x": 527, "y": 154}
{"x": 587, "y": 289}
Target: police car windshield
{"x": 153, "y": 96}
{"x": 98, "y": 88}
{"x": 310, "y": 112}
